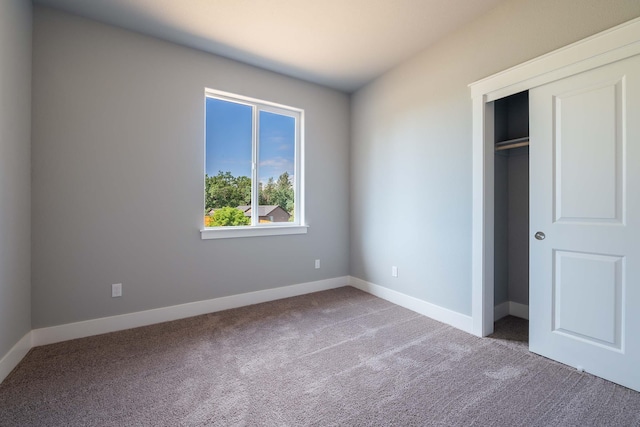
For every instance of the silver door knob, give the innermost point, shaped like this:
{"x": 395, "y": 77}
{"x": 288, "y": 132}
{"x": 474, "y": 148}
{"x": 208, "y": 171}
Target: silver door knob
{"x": 540, "y": 235}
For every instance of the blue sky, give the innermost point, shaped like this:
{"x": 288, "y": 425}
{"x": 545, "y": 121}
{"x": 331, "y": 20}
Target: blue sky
{"x": 228, "y": 141}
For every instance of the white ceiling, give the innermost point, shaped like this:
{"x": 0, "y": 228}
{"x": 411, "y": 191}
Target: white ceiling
{"x": 338, "y": 43}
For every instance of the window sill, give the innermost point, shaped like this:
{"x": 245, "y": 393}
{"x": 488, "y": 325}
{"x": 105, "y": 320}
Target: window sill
{"x": 235, "y": 232}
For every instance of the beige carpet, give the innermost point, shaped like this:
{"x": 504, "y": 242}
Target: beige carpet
{"x": 340, "y": 357}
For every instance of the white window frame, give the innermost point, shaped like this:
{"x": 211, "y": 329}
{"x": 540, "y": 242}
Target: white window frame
{"x": 256, "y": 229}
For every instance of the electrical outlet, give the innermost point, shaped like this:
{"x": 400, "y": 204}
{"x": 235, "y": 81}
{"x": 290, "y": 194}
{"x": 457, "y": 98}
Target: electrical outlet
{"x": 317, "y": 263}
{"x": 394, "y": 271}
{"x": 116, "y": 290}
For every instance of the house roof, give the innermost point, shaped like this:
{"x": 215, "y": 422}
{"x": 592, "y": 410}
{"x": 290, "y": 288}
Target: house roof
{"x": 263, "y": 210}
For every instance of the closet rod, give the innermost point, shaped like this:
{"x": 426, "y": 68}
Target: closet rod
{"x": 512, "y": 143}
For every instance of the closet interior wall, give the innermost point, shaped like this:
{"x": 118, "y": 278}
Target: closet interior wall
{"x": 511, "y": 269}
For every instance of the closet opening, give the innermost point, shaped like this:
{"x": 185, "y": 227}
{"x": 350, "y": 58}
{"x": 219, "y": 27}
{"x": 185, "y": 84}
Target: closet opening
{"x": 511, "y": 218}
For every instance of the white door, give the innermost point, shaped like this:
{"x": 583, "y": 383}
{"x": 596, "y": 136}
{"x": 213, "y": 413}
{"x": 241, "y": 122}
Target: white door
{"x": 585, "y": 197}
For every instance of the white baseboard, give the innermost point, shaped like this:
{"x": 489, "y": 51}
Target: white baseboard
{"x": 104, "y": 325}
{"x": 500, "y": 311}
{"x": 519, "y": 310}
{"x": 14, "y": 356}
{"x": 425, "y": 308}
{"x": 511, "y": 308}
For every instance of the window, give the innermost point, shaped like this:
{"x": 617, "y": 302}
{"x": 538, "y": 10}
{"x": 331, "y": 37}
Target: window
{"x": 253, "y": 167}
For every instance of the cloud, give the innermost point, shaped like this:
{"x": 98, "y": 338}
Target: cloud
{"x": 278, "y": 162}
{"x": 274, "y": 167}
{"x": 279, "y": 143}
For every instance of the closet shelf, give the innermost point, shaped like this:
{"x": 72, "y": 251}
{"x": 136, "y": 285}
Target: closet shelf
{"x": 512, "y": 143}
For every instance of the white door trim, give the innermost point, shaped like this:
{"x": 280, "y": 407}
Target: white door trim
{"x": 620, "y": 42}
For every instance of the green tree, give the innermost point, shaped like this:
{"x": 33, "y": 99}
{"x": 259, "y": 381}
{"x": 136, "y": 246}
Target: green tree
{"x": 267, "y": 191}
{"x": 284, "y": 196}
{"x": 278, "y": 193}
{"x": 228, "y": 216}
{"x": 243, "y": 185}
{"x": 224, "y": 189}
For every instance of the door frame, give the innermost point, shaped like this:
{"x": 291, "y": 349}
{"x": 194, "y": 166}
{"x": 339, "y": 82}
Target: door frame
{"x": 617, "y": 43}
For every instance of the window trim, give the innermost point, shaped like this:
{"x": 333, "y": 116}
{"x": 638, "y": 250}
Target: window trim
{"x": 256, "y": 228}
{"x": 251, "y": 231}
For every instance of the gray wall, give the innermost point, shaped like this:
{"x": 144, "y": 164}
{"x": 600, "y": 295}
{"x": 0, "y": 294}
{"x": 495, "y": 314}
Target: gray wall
{"x": 15, "y": 172}
{"x": 118, "y": 176}
{"x": 411, "y": 144}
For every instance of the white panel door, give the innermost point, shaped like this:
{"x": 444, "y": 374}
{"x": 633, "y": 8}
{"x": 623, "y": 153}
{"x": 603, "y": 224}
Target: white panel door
{"x": 585, "y": 197}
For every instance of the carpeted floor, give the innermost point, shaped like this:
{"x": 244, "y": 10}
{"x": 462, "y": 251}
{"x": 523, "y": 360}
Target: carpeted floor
{"x": 339, "y": 357}
{"x": 512, "y": 331}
